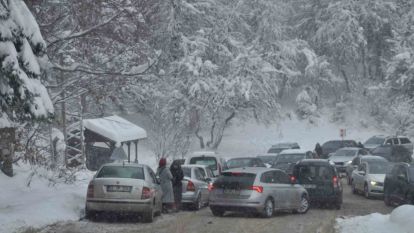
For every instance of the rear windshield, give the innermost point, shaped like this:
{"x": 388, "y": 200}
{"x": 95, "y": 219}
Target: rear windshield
{"x": 314, "y": 173}
{"x": 211, "y": 162}
{"x": 121, "y": 172}
{"x": 234, "y": 163}
{"x": 347, "y": 153}
{"x": 267, "y": 159}
{"x": 290, "y": 158}
{"x": 378, "y": 167}
{"x": 187, "y": 171}
{"x": 375, "y": 141}
{"x": 405, "y": 141}
{"x": 339, "y": 144}
{"x": 275, "y": 150}
{"x": 235, "y": 180}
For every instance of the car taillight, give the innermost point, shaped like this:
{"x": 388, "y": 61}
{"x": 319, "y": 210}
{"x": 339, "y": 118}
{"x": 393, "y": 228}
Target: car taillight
{"x": 190, "y": 186}
{"x": 146, "y": 193}
{"x": 210, "y": 187}
{"x": 258, "y": 189}
{"x": 292, "y": 179}
{"x": 335, "y": 182}
{"x": 90, "y": 192}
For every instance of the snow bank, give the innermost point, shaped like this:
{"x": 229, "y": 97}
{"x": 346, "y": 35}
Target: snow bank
{"x": 399, "y": 221}
{"x": 40, "y": 204}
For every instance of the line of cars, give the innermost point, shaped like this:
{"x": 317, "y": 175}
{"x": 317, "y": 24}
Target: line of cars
{"x": 291, "y": 180}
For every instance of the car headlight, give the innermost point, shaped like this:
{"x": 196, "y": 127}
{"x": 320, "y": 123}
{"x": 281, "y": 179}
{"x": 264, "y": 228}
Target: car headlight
{"x": 348, "y": 163}
{"x": 373, "y": 183}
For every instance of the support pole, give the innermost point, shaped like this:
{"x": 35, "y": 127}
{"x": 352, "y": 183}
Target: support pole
{"x": 129, "y": 151}
{"x": 136, "y": 151}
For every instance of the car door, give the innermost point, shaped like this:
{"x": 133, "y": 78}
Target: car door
{"x": 358, "y": 177}
{"x": 201, "y": 184}
{"x": 269, "y": 181}
{"x": 401, "y": 184}
{"x": 155, "y": 186}
{"x": 288, "y": 192}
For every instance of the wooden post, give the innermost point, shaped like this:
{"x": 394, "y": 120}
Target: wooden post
{"x": 136, "y": 151}
{"x": 129, "y": 151}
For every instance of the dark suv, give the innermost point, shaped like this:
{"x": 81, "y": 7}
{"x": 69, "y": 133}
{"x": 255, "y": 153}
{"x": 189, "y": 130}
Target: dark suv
{"x": 320, "y": 178}
{"x": 332, "y": 146}
{"x": 399, "y": 185}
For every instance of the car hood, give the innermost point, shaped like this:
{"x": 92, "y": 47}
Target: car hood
{"x": 371, "y": 146}
{"x": 377, "y": 177}
{"x": 340, "y": 158}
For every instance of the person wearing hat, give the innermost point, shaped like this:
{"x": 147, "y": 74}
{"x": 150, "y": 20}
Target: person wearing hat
{"x": 164, "y": 173}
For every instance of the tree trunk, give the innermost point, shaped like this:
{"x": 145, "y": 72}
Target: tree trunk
{"x": 348, "y": 88}
{"x": 200, "y": 138}
{"x": 221, "y": 132}
{"x": 7, "y": 142}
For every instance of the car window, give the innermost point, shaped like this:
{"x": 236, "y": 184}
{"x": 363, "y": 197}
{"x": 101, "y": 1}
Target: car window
{"x": 241, "y": 162}
{"x": 314, "y": 173}
{"x": 346, "y": 153}
{"x": 203, "y": 173}
{"x": 187, "y": 171}
{"x": 152, "y": 175}
{"x": 281, "y": 177}
{"x": 198, "y": 174}
{"x": 375, "y": 140}
{"x": 402, "y": 172}
{"x": 239, "y": 179}
{"x": 405, "y": 141}
{"x": 121, "y": 172}
{"x": 395, "y": 141}
{"x": 209, "y": 172}
{"x": 267, "y": 177}
{"x": 388, "y": 142}
{"x": 378, "y": 167}
{"x": 211, "y": 162}
{"x": 290, "y": 158}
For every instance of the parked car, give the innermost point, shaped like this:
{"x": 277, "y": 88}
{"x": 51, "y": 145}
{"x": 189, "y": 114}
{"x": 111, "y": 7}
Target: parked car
{"x": 195, "y": 187}
{"x": 244, "y": 162}
{"x": 399, "y": 185}
{"x": 334, "y": 145}
{"x": 268, "y": 159}
{"x": 321, "y": 180}
{"x": 381, "y": 140}
{"x": 257, "y": 190}
{"x": 369, "y": 177}
{"x": 344, "y": 157}
{"x": 393, "y": 153}
{"x": 288, "y": 158}
{"x": 124, "y": 188}
{"x": 210, "y": 158}
{"x": 355, "y": 164}
{"x": 279, "y": 147}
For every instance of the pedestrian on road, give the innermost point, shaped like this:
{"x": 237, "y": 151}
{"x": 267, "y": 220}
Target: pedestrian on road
{"x": 166, "y": 177}
{"x": 318, "y": 150}
{"x": 178, "y": 175}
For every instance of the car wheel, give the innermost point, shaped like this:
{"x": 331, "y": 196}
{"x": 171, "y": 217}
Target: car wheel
{"x": 198, "y": 203}
{"x": 337, "y": 205}
{"x": 90, "y": 215}
{"x": 217, "y": 211}
{"x": 268, "y": 208}
{"x": 366, "y": 191}
{"x": 304, "y": 205}
{"x": 148, "y": 217}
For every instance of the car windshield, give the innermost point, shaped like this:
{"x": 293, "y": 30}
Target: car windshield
{"x": 289, "y": 158}
{"x": 187, "y": 171}
{"x": 375, "y": 141}
{"x": 346, "y": 153}
{"x": 339, "y": 144}
{"x": 234, "y": 163}
{"x": 211, "y": 162}
{"x": 378, "y": 167}
{"x": 121, "y": 172}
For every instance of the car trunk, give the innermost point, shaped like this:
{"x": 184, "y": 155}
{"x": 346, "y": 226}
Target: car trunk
{"x": 234, "y": 185}
{"x": 118, "y": 188}
{"x": 317, "y": 180}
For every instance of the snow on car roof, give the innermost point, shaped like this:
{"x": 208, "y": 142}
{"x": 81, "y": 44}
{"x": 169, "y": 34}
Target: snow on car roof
{"x": 294, "y": 151}
{"x": 115, "y": 128}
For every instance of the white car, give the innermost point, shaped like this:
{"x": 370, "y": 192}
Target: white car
{"x": 369, "y": 177}
{"x": 209, "y": 158}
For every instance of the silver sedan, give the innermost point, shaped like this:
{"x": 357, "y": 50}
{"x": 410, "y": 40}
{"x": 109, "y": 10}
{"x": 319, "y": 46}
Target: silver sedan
{"x": 259, "y": 190}
{"x": 195, "y": 186}
{"x": 124, "y": 188}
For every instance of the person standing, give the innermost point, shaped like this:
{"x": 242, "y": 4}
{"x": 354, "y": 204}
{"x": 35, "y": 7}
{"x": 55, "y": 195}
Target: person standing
{"x": 164, "y": 173}
{"x": 318, "y": 151}
{"x": 178, "y": 175}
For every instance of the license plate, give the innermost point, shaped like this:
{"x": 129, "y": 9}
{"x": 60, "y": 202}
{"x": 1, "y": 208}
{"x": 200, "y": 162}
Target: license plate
{"x": 118, "y": 188}
{"x": 231, "y": 192}
{"x": 309, "y": 186}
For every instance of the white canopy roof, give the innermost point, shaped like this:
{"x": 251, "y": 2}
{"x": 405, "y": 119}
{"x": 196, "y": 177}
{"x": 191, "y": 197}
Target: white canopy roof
{"x": 115, "y": 128}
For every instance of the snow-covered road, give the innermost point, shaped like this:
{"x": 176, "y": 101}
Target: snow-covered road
{"x": 316, "y": 220}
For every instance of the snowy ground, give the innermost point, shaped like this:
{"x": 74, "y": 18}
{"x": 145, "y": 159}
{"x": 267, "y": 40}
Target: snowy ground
{"x": 40, "y": 204}
{"x": 399, "y": 221}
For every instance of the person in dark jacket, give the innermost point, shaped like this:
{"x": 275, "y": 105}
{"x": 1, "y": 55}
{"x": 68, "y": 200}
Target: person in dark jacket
{"x": 166, "y": 177}
{"x": 318, "y": 151}
{"x": 178, "y": 175}
{"x": 360, "y": 145}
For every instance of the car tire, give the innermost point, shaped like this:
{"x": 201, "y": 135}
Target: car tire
{"x": 90, "y": 215}
{"x": 198, "y": 203}
{"x": 268, "y": 208}
{"x": 305, "y": 205}
{"x": 337, "y": 205}
{"x": 217, "y": 211}
{"x": 148, "y": 217}
{"x": 366, "y": 192}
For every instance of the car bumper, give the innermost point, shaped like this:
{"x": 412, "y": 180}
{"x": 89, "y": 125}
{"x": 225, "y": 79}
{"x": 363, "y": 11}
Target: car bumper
{"x": 376, "y": 190}
{"x": 341, "y": 169}
{"x": 242, "y": 205}
{"x": 189, "y": 197}
{"x": 111, "y": 205}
